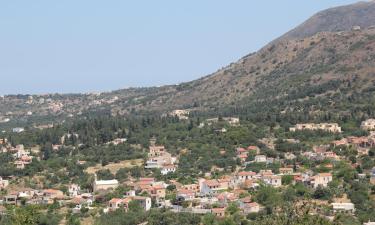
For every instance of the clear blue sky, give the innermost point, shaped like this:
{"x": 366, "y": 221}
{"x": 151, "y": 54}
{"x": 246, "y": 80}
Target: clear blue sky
{"x": 95, "y": 45}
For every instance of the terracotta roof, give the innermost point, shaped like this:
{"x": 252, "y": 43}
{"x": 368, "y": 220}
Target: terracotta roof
{"x": 246, "y": 199}
{"x": 241, "y": 150}
{"x": 325, "y": 174}
{"x": 169, "y": 166}
{"x": 218, "y": 210}
{"x": 242, "y": 156}
{"x": 246, "y": 173}
{"x": 119, "y": 200}
{"x": 252, "y": 204}
{"x": 212, "y": 183}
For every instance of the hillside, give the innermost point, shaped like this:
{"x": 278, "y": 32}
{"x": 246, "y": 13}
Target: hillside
{"x": 336, "y": 19}
{"x": 322, "y": 65}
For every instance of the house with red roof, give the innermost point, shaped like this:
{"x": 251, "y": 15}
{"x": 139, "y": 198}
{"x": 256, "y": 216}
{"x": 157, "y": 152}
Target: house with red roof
{"x": 219, "y": 212}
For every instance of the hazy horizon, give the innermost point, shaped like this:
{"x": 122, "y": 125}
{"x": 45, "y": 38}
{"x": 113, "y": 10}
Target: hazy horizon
{"x": 93, "y": 46}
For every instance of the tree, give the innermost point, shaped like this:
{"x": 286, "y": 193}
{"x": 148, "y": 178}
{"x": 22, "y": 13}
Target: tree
{"x": 209, "y": 219}
{"x": 27, "y": 215}
{"x": 287, "y": 179}
{"x": 171, "y": 187}
{"x": 122, "y": 174}
{"x": 72, "y": 220}
{"x": 136, "y": 172}
{"x": 289, "y": 194}
{"x": 134, "y": 206}
{"x": 232, "y": 209}
{"x": 346, "y": 219}
{"x": 322, "y": 193}
{"x": 105, "y": 175}
{"x": 269, "y": 197}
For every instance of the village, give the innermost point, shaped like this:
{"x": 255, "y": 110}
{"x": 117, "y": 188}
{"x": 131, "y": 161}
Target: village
{"x": 209, "y": 194}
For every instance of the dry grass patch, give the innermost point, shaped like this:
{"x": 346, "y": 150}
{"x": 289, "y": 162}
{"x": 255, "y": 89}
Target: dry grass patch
{"x": 114, "y": 167}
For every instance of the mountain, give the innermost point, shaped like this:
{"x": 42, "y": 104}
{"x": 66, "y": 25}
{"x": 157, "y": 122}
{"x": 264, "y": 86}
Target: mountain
{"x": 321, "y": 67}
{"x": 342, "y": 18}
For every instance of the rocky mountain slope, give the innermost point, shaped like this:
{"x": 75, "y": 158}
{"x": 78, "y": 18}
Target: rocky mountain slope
{"x": 342, "y": 18}
{"x": 322, "y": 64}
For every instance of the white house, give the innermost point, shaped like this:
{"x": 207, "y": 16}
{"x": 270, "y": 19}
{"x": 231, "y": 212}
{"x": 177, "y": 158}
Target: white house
{"x": 18, "y": 130}
{"x": 260, "y": 159}
{"x": 273, "y": 180}
{"x": 74, "y": 190}
{"x": 3, "y": 183}
{"x": 208, "y": 187}
{"x": 368, "y": 124}
{"x": 321, "y": 179}
{"x": 369, "y": 223}
{"x": 168, "y": 169}
{"x": 329, "y": 127}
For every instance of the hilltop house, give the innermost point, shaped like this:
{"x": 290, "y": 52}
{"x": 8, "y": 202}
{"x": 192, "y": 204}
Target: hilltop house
{"x": 158, "y": 157}
{"x": 232, "y": 121}
{"x": 160, "y": 161}
{"x": 18, "y": 130}
{"x": 156, "y": 151}
{"x": 329, "y": 127}
{"x": 180, "y": 113}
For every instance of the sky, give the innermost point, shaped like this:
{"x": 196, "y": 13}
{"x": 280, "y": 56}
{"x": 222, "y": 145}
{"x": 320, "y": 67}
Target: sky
{"x": 79, "y": 46}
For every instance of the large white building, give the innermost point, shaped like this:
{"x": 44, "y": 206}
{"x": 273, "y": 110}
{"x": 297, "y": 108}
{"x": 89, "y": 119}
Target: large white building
{"x": 345, "y": 206}
{"x": 104, "y": 184}
{"x": 330, "y": 127}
